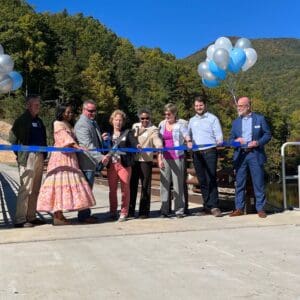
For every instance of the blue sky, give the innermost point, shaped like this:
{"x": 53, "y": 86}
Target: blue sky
{"x": 182, "y": 27}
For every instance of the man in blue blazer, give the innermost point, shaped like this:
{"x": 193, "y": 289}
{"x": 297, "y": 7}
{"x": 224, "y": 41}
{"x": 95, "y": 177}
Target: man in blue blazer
{"x": 253, "y": 132}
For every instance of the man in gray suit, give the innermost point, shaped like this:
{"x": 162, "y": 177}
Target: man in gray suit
{"x": 88, "y": 135}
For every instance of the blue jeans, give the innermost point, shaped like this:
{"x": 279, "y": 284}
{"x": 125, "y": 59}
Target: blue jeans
{"x": 205, "y": 164}
{"x": 86, "y": 213}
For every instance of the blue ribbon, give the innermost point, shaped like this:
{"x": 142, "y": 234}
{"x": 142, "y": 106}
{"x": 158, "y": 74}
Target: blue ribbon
{"x": 22, "y": 148}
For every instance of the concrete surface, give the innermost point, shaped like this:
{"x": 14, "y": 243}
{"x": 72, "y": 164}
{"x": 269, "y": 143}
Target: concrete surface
{"x": 198, "y": 257}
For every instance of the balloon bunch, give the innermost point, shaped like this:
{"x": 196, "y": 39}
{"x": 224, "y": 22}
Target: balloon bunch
{"x": 222, "y": 57}
{"x": 9, "y": 80}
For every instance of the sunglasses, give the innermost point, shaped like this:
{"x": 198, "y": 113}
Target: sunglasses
{"x": 146, "y": 118}
{"x": 168, "y": 114}
{"x": 91, "y": 110}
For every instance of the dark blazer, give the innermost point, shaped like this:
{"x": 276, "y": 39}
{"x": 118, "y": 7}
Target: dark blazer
{"x": 128, "y": 141}
{"x": 260, "y": 133}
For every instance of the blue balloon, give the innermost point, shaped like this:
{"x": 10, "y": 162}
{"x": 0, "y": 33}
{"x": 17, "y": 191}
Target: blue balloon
{"x": 237, "y": 59}
{"x": 210, "y": 83}
{"x": 218, "y": 72}
{"x": 17, "y": 80}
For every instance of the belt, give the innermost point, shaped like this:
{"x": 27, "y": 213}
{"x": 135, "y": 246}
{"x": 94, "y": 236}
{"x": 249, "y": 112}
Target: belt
{"x": 207, "y": 150}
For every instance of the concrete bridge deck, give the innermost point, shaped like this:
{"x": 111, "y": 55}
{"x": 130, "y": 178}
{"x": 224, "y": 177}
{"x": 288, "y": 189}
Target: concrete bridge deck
{"x": 190, "y": 258}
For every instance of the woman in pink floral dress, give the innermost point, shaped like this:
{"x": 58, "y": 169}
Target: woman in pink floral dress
{"x": 65, "y": 187}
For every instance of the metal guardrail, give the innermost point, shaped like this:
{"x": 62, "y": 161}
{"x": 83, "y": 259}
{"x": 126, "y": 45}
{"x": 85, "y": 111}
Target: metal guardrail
{"x": 284, "y": 177}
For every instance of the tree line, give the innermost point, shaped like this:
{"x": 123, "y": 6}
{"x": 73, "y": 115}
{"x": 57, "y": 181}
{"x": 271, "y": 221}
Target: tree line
{"x": 67, "y": 57}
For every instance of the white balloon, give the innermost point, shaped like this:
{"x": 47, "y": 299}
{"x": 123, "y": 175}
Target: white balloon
{"x": 243, "y": 43}
{"x": 210, "y": 51}
{"x": 6, "y": 84}
{"x": 223, "y": 42}
{"x": 6, "y": 63}
{"x": 251, "y": 58}
{"x": 1, "y": 49}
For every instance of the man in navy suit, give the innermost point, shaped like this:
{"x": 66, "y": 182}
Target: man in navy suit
{"x": 253, "y": 132}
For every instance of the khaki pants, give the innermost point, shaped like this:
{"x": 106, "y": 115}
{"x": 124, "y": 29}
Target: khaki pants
{"x": 30, "y": 183}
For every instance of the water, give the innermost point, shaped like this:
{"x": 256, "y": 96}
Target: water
{"x": 275, "y": 195}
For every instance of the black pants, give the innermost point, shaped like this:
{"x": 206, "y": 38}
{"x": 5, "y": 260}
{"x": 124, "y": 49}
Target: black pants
{"x": 205, "y": 164}
{"x": 142, "y": 171}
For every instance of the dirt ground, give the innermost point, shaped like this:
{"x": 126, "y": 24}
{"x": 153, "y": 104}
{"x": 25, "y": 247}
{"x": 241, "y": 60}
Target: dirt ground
{"x": 6, "y": 156}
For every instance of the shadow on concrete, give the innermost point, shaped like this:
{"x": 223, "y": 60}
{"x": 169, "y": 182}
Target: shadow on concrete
{"x": 8, "y": 199}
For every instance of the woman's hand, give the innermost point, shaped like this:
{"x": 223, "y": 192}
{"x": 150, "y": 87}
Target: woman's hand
{"x": 76, "y": 146}
{"x": 105, "y": 136}
{"x": 189, "y": 144}
{"x": 105, "y": 159}
{"x": 160, "y": 162}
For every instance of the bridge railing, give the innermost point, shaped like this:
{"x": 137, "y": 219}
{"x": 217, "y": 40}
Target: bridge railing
{"x": 290, "y": 177}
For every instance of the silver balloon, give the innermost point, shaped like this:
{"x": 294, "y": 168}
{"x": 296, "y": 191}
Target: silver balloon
{"x": 1, "y": 49}
{"x": 204, "y": 72}
{"x": 210, "y": 51}
{"x": 2, "y": 75}
{"x": 6, "y": 63}
{"x": 221, "y": 57}
{"x": 243, "y": 43}
{"x": 223, "y": 42}
{"x": 6, "y": 84}
{"x": 209, "y": 75}
{"x": 251, "y": 58}
{"x": 202, "y": 68}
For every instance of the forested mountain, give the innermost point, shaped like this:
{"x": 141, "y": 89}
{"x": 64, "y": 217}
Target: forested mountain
{"x": 73, "y": 57}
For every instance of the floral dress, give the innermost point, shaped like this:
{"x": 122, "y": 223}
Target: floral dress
{"x": 65, "y": 187}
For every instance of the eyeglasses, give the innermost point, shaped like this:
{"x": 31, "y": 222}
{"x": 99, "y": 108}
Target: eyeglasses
{"x": 242, "y": 105}
{"x": 144, "y": 118}
{"x": 168, "y": 114}
{"x": 91, "y": 110}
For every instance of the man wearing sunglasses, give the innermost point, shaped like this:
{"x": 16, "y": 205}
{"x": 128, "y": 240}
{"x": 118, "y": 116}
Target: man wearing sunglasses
{"x": 89, "y": 136}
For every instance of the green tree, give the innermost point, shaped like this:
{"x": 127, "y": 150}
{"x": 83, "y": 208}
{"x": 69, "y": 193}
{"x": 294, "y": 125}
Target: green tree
{"x": 97, "y": 80}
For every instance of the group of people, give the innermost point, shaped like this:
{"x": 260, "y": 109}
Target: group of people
{"x": 70, "y": 176}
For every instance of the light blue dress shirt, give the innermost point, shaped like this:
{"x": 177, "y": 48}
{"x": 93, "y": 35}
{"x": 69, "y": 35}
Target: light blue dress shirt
{"x": 247, "y": 128}
{"x": 205, "y": 129}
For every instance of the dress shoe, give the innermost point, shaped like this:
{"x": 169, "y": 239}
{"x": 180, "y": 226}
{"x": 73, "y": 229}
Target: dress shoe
{"x": 60, "y": 222}
{"x": 216, "y": 212}
{"x": 23, "y": 225}
{"x": 262, "y": 214}
{"x": 236, "y": 213}
{"x": 38, "y": 222}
